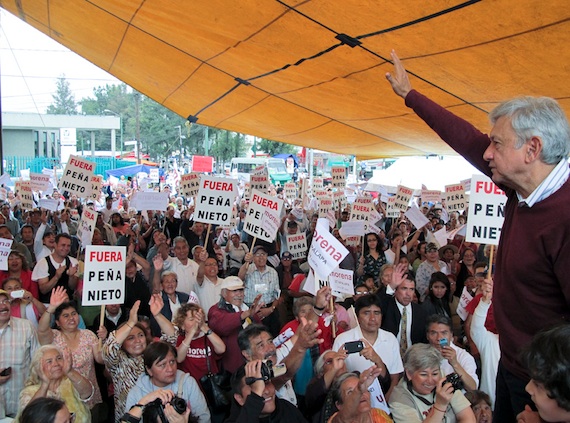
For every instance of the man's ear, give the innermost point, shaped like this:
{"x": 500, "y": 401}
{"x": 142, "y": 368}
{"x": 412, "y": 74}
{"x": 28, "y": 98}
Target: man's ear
{"x": 246, "y": 355}
{"x": 239, "y": 399}
{"x": 533, "y": 149}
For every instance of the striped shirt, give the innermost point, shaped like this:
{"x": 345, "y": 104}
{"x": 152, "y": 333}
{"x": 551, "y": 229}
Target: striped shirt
{"x": 548, "y": 186}
{"x": 265, "y": 283}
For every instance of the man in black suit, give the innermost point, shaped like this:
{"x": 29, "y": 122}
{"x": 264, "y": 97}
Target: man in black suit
{"x": 393, "y": 306}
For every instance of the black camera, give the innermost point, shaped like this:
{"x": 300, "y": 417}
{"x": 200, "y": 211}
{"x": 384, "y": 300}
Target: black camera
{"x": 268, "y": 371}
{"x": 455, "y": 381}
{"x": 155, "y": 410}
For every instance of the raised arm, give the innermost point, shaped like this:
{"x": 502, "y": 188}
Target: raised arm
{"x": 58, "y": 297}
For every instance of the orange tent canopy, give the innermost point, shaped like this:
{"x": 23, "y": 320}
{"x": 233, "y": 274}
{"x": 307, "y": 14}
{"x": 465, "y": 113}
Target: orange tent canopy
{"x": 311, "y": 73}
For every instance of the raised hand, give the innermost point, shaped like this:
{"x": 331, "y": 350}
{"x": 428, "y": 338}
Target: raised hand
{"x": 367, "y": 377}
{"x": 156, "y": 304}
{"x": 399, "y": 79}
{"x": 58, "y": 297}
{"x": 158, "y": 262}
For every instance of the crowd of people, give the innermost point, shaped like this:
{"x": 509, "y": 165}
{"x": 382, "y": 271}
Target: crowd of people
{"x": 216, "y": 326}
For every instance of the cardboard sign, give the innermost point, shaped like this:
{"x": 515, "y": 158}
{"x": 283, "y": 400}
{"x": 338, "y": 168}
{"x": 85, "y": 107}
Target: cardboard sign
{"x": 77, "y": 177}
{"x": 5, "y": 179}
{"x": 315, "y": 282}
{"x": 86, "y": 226}
{"x": 40, "y": 182}
{"x": 154, "y": 176}
{"x": 455, "y": 197}
{"x": 51, "y": 204}
{"x": 150, "y": 200}
{"x": 259, "y": 204}
{"x": 352, "y": 228}
{"x": 96, "y": 184}
{"x": 487, "y": 211}
{"x": 3, "y": 194}
{"x": 326, "y": 252}
{"x": 270, "y": 223}
{"x": 361, "y": 210}
{"x": 429, "y": 196}
{"x": 325, "y": 205}
{"x": 338, "y": 174}
{"x": 320, "y": 193}
{"x": 259, "y": 180}
{"x": 215, "y": 200}
{"x": 418, "y": 219}
{"x": 5, "y": 248}
{"x": 104, "y": 275}
{"x": 26, "y": 195}
{"x": 318, "y": 183}
{"x": 339, "y": 200}
{"x": 202, "y": 164}
{"x": 341, "y": 280}
{"x": 391, "y": 210}
{"x": 190, "y": 184}
{"x": 290, "y": 191}
{"x": 403, "y": 197}
{"x": 297, "y": 245}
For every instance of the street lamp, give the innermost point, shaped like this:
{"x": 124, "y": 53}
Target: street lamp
{"x": 120, "y": 124}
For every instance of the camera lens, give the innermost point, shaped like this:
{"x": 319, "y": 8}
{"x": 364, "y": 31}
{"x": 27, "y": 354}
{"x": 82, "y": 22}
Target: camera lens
{"x": 179, "y": 404}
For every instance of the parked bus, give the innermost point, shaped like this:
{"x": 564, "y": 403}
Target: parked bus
{"x": 242, "y": 167}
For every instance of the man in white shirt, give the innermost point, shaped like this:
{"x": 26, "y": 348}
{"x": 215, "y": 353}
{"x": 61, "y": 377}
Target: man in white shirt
{"x": 185, "y": 268}
{"x": 455, "y": 359}
{"x": 208, "y": 284}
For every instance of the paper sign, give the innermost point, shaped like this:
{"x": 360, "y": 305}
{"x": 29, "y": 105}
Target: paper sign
{"x": 317, "y": 184}
{"x": 290, "y": 191}
{"x": 96, "y": 184}
{"x": 51, "y": 204}
{"x": 190, "y": 184}
{"x": 5, "y": 248}
{"x": 86, "y": 226}
{"x": 40, "y": 182}
{"x": 326, "y": 252}
{"x": 455, "y": 197}
{"x": 315, "y": 282}
{"x": 325, "y": 205}
{"x": 403, "y": 197}
{"x": 297, "y": 245}
{"x": 486, "y": 212}
{"x": 338, "y": 174}
{"x": 418, "y": 219}
{"x": 341, "y": 280}
{"x": 154, "y": 176}
{"x": 77, "y": 177}
{"x": 429, "y": 196}
{"x": 104, "y": 275}
{"x": 215, "y": 200}
{"x": 5, "y": 179}
{"x": 339, "y": 200}
{"x": 441, "y": 237}
{"x": 150, "y": 200}
{"x": 352, "y": 228}
{"x": 26, "y": 195}
{"x": 260, "y": 203}
{"x": 391, "y": 209}
{"x": 270, "y": 223}
{"x": 3, "y": 194}
{"x": 202, "y": 164}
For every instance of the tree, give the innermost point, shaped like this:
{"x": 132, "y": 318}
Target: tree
{"x": 227, "y": 145}
{"x": 274, "y": 147}
{"x": 63, "y": 99}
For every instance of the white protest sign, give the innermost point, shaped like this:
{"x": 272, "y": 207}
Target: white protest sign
{"x": 215, "y": 200}
{"x": 190, "y": 184}
{"x": 431, "y": 196}
{"x": 418, "y": 219}
{"x": 465, "y": 299}
{"x": 76, "y": 177}
{"x": 341, "y": 280}
{"x": 403, "y": 197}
{"x": 325, "y": 205}
{"x": 51, "y": 204}
{"x": 290, "y": 191}
{"x": 352, "y": 228}
{"x": 3, "y": 194}
{"x": 317, "y": 184}
{"x": 40, "y": 182}
{"x": 338, "y": 174}
{"x": 339, "y": 200}
{"x": 441, "y": 237}
{"x": 259, "y": 179}
{"x": 260, "y": 203}
{"x": 486, "y": 212}
{"x": 391, "y": 210}
{"x": 270, "y": 223}
{"x": 315, "y": 282}
{"x": 104, "y": 275}
{"x": 361, "y": 209}
{"x": 326, "y": 252}
{"x": 455, "y": 197}
{"x": 26, "y": 195}
{"x": 5, "y": 248}
{"x": 297, "y": 245}
{"x": 154, "y": 175}
{"x": 152, "y": 200}
{"x": 86, "y": 226}
{"x": 466, "y": 184}
{"x": 377, "y": 398}
{"x": 5, "y": 179}
{"x": 96, "y": 184}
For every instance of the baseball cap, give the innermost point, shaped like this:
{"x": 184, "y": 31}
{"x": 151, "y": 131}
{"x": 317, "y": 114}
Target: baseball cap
{"x": 260, "y": 248}
{"x": 232, "y": 283}
{"x": 287, "y": 255}
{"x": 431, "y": 246}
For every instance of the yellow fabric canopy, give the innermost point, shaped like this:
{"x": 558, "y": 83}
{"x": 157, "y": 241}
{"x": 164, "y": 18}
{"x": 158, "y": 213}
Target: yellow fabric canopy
{"x": 311, "y": 73}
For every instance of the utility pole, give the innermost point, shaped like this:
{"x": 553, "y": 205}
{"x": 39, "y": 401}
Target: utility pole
{"x": 138, "y": 125}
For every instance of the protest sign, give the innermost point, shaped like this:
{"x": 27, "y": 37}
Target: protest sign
{"x": 154, "y": 175}
{"x": 96, "y": 184}
{"x": 391, "y": 210}
{"x": 259, "y": 179}
{"x": 150, "y": 200}
{"x": 215, "y": 200}
{"x": 455, "y": 197}
{"x": 26, "y": 195}
{"x": 314, "y": 282}
{"x": 418, "y": 219}
{"x": 260, "y": 203}
{"x": 297, "y": 245}
{"x": 339, "y": 200}
{"x": 338, "y": 174}
{"x": 487, "y": 211}
{"x": 3, "y": 194}
{"x": 290, "y": 191}
{"x": 320, "y": 193}
{"x": 403, "y": 197}
{"x": 326, "y": 252}
{"x": 5, "y": 179}
{"x": 40, "y": 182}
{"x": 104, "y": 275}
{"x": 318, "y": 183}
{"x": 270, "y": 223}
{"x": 86, "y": 226}
{"x": 202, "y": 164}
{"x": 77, "y": 177}
{"x": 466, "y": 184}
{"x": 361, "y": 210}
{"x": 51, "y": 204}
{"x": 431, "y": 196}
{"x": 341, "y": 280}
{"x": 5, "y": 248}
{"x": 352, "y": 228}
{"x": 325, "y": 205}
{"x": 190, "y": 184}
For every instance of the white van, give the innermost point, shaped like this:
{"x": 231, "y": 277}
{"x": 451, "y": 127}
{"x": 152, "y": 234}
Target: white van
{"x": 242, "y": 167}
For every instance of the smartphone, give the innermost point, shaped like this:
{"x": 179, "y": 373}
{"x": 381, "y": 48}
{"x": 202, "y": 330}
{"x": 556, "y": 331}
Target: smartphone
{"x": 443, "y": 343}
{"x": 6, "y": 372}
{"x": 17, "y": 294}
{"x": 353, "y": 347}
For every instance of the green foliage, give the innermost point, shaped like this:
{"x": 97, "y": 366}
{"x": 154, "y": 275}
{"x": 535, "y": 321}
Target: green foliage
{"x": 274, "y": 147}
{"x": 63, "y": 99}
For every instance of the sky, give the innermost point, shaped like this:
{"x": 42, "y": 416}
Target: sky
{"x": 31, "y": 62}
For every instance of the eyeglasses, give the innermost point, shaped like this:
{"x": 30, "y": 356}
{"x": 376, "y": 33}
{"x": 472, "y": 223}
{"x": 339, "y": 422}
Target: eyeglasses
{"x": 260, "y": 254}
{"x": 4, "y": 302}
{"x": 286, "y": 258}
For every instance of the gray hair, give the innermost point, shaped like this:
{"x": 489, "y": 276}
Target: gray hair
{"x": 320, "y": 363}
{"x": 303, "y": 301}
{"x": 179, "y": 239}
{"x": 335, "y": 388}
{"x": 537, "y": 116}
{"x": 421, "y": 357}
{"x": 168, "y": 273}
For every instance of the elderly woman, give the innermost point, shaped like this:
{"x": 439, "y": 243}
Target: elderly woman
{"x": 81, "y": 344}
{"x": 424, "y": 395}
{"x": 123, "y": 357}
{"x": 352, "y": 399}
{"x": 51, "y": 376}
{"x": 172, "y": 299}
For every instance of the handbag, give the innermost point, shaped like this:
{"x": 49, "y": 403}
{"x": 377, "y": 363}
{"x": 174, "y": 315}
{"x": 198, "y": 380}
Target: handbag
{"x": 212, "y": 385}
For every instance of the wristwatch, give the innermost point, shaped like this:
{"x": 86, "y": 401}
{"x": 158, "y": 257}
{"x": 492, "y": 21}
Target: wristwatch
{"x": 209, "y": 332}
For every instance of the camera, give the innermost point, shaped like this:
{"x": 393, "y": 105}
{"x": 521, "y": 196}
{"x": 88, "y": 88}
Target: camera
{"x": 269, "y": 371}
{"x": 455, "y": 381}
{"x": 353, "y": 347}
{"x": 155, "y": 410}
